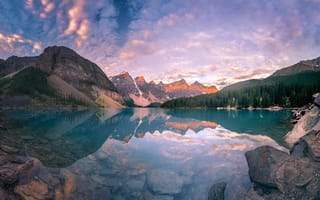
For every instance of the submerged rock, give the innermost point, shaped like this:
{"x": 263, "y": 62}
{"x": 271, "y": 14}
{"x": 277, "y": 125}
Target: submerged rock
{"x": 33, "y": 190}
{"x": 165, "y": 181}
{"x": 8, "y": 176}
{"x": 216, "y": 191}
{"x": 3, "y": 193}
{"x": 262, "y": 163}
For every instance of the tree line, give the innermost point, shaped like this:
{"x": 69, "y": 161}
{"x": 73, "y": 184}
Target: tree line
{"x": 285, "y": 91}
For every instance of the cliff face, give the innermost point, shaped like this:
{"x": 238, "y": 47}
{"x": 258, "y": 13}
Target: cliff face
{"x": 150, "y": 90}
{"x": 75, "y": 70}
{"x": 70, "y": 74}
{"x": 143, "y": 93}
{"x": 138, "y": 90}
{"x": 125, "y": 85}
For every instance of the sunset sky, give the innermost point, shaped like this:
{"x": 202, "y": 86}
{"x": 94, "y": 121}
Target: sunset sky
{"x": 213, "y": 41}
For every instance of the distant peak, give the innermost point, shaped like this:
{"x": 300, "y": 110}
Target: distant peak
{"x": 182, "y": 81}
{"x": 196, "y": 83}
{"x": 140, "y": 78}
{"x": 58, "y": 50}
{"x": 124, "y": 73}
{"x": 152, "y": 82}
{"x": 55, "y": 48}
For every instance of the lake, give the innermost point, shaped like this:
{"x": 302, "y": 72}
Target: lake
{"x": 143, "y": 153}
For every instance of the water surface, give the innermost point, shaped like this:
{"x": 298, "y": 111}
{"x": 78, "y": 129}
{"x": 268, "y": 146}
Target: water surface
{"x": 145, "y": 153}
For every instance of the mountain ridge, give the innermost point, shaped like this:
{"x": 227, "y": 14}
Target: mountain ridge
{"x": 290, "y": 86}
{"x": 71, "y": 71}
{"x": 143, "y": 93}
{"x": 304, "y": 65}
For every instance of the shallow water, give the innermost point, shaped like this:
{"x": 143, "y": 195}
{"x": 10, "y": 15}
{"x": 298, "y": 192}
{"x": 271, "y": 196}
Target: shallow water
{"x": 145, "y": 153}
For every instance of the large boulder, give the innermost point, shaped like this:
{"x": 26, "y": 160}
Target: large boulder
{"x": 263, "y": 162}
{"x": 312, "y": 141}
{"x": 290, "y": 177}
{"x": 292, "y": 174}
{"x": 34, "y": 190}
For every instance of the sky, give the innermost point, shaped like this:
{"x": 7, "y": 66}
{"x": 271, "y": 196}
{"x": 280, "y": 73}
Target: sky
{"x": 216, "y": 42}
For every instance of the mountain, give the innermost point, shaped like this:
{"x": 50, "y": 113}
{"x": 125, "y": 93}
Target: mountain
{"x": 142, "y": 93}
{"x": 307, "y": 65}
{"x": 196, "y": 86}
{"x": 182, "y": 89}
{"x": 138, "y": 91}
{"x": 288, "y": 87}
{"x": 68, "y": 74}
{"x": 150, "y": 90}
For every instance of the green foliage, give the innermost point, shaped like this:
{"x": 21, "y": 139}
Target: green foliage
{"x": 30, "y": 81}
{"x": 33, "y": 82}
{"x": 286, "y": 91}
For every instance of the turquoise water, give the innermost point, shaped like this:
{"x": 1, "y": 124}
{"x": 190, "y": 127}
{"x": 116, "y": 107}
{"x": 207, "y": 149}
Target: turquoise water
{"x": 145, "y": 153}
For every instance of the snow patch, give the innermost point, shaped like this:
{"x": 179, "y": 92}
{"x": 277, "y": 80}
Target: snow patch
{"x": 135, "y": 84}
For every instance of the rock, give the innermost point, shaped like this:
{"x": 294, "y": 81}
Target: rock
{"x": 3, "y": 160}
{"x": 33, "y": 191}
{"x": 262, "y": 163}
{"x": 298, "y": 149}
{"x": 8, "y": 149}
{"x": 312, "y": 141}
{"x": 3, "y": 127}
{"x": 293, "y": 173}
{"x": 3, "y": 193}
{"x": 8, "y": 176}
{"x": 316, "y": 100}
{"x": 164, "y": 181}
{"x": 216, "y": 191}
{"x": 310, "y": 121}
{"x": 69, "y": 183}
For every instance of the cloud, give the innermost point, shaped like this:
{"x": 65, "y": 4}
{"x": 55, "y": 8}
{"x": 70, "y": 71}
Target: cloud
{"x": 127, "y": 55}
{"x": 206, "y": 41}
{"x": 256, "y": 73}
{"x": 9, "y": 43}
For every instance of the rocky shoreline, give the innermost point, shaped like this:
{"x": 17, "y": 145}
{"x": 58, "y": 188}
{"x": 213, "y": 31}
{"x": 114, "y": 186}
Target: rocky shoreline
{"x": 278, "y": 175}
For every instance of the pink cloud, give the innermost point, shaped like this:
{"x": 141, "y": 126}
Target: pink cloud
{"x": 127, "y": 55}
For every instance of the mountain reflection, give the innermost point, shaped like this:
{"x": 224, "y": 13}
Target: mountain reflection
{"x": 60, "y": 138}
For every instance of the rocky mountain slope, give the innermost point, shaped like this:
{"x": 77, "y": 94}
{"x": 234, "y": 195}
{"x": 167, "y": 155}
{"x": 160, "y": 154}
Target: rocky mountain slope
{"x": 143, "y": 93}
{"x": 306, "y": 65}
{"x": 69, "y": 74}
